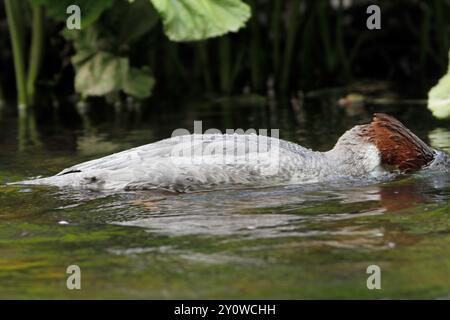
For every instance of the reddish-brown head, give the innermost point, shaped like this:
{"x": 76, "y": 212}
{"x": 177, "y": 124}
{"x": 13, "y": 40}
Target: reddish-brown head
{"x": 398, "y": 146}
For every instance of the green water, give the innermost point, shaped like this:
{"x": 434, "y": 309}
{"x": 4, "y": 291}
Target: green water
{"x": 284, "y": 242}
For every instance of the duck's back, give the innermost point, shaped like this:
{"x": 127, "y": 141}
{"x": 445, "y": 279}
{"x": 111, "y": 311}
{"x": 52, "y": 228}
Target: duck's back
{"x": 192, "y": 162}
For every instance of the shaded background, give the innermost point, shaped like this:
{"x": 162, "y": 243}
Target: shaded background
{"x": 285, "y": 47}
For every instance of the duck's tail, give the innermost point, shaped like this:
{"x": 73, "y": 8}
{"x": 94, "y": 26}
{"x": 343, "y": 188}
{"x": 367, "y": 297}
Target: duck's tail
{"x": 49, "y": 181}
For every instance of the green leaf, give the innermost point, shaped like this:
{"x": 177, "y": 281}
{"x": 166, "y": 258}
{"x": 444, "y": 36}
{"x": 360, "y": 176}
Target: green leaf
{"x": 106, "y": 73}
{"x": 101, "y": 75}
{"x": 190, "y": 20}
{"x": 90, "y": 9}
{"x": 439, "y": 97}
{"x": 101, "y": 63}
{"x": 140, "y": 18}
{"x": 138, "y": 83}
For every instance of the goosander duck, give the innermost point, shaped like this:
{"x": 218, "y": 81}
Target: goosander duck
{"x": 379, "y": 148}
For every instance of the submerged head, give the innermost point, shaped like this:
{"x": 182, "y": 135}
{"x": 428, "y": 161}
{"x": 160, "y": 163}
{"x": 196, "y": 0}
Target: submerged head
{"x": 396, "y": 148}
{"x": 399, "y": 148}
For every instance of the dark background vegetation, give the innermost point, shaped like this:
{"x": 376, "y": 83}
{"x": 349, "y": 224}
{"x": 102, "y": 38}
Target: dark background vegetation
{"x": 287, "y": 46}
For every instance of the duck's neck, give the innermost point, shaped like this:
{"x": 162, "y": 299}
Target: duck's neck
{"x": 353, "y": 156}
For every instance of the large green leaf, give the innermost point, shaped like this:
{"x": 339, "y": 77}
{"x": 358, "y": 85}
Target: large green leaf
{"x": 101, "y": 61}
{"x": 106, "y": 73}
{"x": 90, "y": 9}
{"x": 101, "y": 75}
{"x": 189, "y": 20}
{"x": 439, "y": 97}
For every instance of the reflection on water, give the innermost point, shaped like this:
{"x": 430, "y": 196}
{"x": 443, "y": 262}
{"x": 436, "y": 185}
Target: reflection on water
{"x": 276, "y": 212}
{"x": 439, "y": 138}
{"x": 310, "y": 241}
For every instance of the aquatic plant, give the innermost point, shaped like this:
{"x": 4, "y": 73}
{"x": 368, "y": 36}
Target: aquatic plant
{"x": 16, "y": 34}
{"x": 439, "y": 97}
{"x": 102, "y": 60}
{"x": 186, "y": 20}
{"x": 147, "y": 46}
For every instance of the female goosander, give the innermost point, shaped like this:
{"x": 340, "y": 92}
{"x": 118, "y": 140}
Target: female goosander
{"x": 209, "y": 161}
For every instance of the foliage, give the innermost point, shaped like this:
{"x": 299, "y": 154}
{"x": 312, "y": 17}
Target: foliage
{"x": 17, "y": 36}
{"x": 102, "y": 61}
{"x": 103, "y": 46}
{"x": 91, "y": 10}
{"x": 186, "y": 20}
{"x": 439, "y": 97}
{"x": 105, "y": 73}
{"x": 288, "y": 46}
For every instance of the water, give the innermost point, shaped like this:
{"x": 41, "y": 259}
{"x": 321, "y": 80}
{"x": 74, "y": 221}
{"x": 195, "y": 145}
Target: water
{"x": 312, "y": 241}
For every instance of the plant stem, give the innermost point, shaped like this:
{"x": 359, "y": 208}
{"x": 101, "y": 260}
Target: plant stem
{"x": 13, "y": 14}
{"x": 424, "y": 36}
{"x": 22, "y": 129}
{"x": 28, "y": 135}
{"x": 2, "y": 97}
{"x": 441, "y": 33}
{"x": 307, "y": 44}
{"x": 290, "y": 44}
{"x": 276, "y": 36}
{"x": 204, "y": 65}
{"x": 324, "y": 28}
{"x": 225, "y": 64}
{"x": 255, "y": 51}
{"x": 35, "y": 58}
{"x": 340, "y": 45}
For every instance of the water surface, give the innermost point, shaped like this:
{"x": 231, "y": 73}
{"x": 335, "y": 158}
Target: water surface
{"x": 311, "y": 241}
